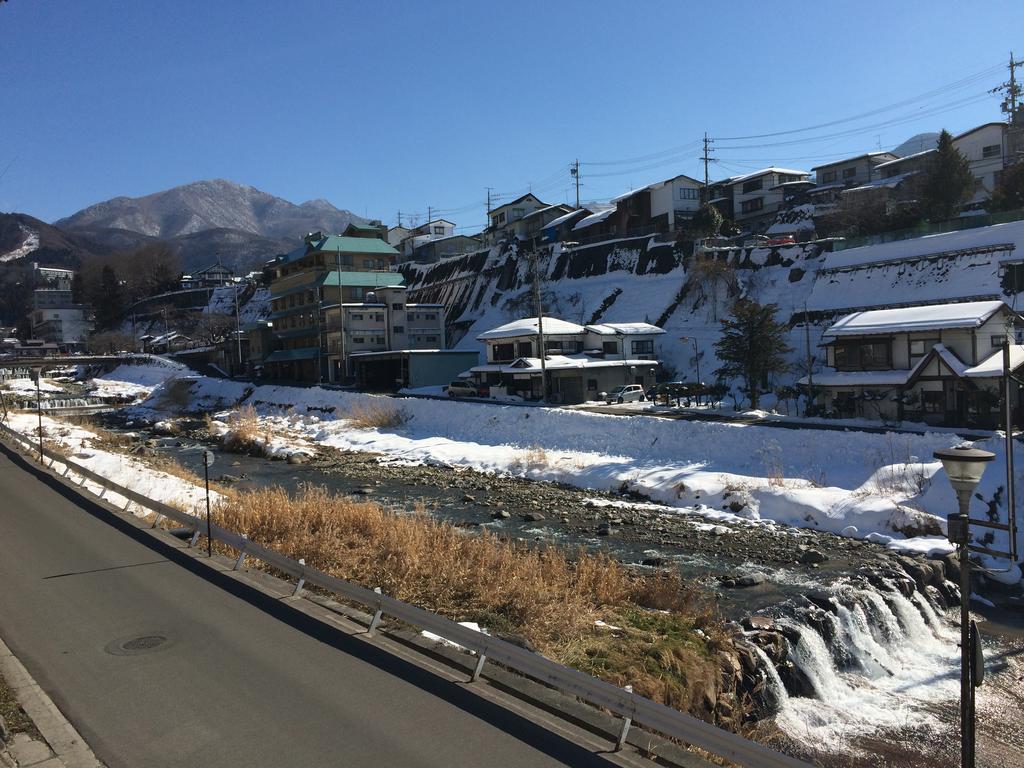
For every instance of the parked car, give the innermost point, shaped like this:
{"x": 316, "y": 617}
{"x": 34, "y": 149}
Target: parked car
{"x": 781, "y": 240}
{"x": 461, "y": 388}
{"x": 624, "y": 394}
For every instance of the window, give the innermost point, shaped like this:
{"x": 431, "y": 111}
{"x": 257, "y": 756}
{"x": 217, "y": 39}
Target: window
{"x": 610, "y": 347}
{"x": 399, "y": 329}
{"x": 643, "y": 347}
{"x": 752, "y": 186}
{"x": 828, "y": 177}
{"x": 591, "y": 385}
{"x": 439, "y": 230}
{"x": 749, "y": 206}
{"x": 864, "y": 355}
{"x": 431, "y": 338}
{"x": 356, "y": 317}
{"x": 920, "y": 347}
{"x": 932, "y": 402}
{"x": 525, "y": 349}
{"x": 358, "y": 339}
{"x": 992, "y": 150}
{"x": 517, "y": 213}
{"x": 430, "y": 316}
{"x": 688, "y": 193}
{"x": 503, "y": 351}
{"x": 849, "y": 173}
{"x": 380, "y": 339}
{"x": 396, "y": 307}
{"x": 367, "y": 263}
{"x": 998, "y": 341}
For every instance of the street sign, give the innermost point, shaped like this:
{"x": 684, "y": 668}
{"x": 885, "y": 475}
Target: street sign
{"x": 208, "y": 458}
{"x": 977, "y": 656}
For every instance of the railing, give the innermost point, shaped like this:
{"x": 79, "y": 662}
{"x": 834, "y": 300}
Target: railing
{"x": 624, "y": 703}
{"x": 935, "y": 228}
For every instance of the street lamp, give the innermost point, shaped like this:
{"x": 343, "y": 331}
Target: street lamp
{"x": 964, "y": 466}
{"x": 696, "y": 360}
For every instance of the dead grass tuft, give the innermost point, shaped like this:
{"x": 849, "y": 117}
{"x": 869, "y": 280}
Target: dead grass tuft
{"x": 537, "y": 593}
{"x": 376, "y": 414}
{"x": 245, "y": 434}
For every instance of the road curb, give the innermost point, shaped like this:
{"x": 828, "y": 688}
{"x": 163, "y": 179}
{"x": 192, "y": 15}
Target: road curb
{"x": 60, "y": 735}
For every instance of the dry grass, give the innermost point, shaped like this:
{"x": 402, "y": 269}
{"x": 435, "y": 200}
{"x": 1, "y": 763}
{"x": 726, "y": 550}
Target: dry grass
{"x": 537, "y": 593}
{"x": 376, "y": 414}
{"x": 534, "y": 457}
{"x": 244, "y": 434}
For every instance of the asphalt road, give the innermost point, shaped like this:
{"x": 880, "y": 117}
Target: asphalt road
{"x": 243, "y": 680}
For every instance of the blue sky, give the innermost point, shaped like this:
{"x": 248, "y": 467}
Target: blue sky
{"x": 385, "y": 106}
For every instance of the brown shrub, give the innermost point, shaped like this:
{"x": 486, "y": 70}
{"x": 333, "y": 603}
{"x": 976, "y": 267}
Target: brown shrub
{"x": 376, "y": 414}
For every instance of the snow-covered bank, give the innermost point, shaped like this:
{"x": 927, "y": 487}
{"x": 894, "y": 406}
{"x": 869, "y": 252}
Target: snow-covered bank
{"x": 872, "y": 486}
{"x": 135, "y": 381}
{"x": 80, "y": 445}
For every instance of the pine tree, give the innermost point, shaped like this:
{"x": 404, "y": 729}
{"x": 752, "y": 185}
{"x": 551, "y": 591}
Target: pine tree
{"x": 949, "y": 182}
{"x": 110, "y": 308}
{"x": 706, "y": 222}
{"x": 1009, "y": 193}
{"x": 752, "y": 346}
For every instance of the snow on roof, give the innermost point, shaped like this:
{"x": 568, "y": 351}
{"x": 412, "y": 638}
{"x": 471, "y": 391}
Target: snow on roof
{"x": 891, "y": 378}
{"x": 887, "y": 163}
{"x": 609, "y": 329}
{"x": 763, "y": 171}
{"x": 594, "y": 218}
{"x": 969, "y": 314}
{"x": 825, "y": 188}
{"x": 565, "y": 217}
{"x": 556, "y": 362}
{"x": 886, "y": 183}
{"x": 528, "y": 326}
{"x": 992, "y": 366}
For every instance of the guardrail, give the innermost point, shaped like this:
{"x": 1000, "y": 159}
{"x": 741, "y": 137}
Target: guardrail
{"x": 634, "y": 709}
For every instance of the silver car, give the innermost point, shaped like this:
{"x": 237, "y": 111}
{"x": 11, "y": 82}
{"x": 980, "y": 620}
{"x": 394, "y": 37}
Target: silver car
{"x": 624, "y": 394}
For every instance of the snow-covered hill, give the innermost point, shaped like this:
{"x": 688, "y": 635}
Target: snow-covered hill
{"x": 641, "y": 280}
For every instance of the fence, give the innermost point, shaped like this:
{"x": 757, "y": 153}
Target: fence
{"x": 935, "y": 228}
{"x": 634, "y": 709}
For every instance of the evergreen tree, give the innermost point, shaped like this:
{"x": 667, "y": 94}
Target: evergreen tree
{"x": 752, "y": 346}
{"x": 1009, "y": 193}
{"x": 706, "y": 222}
{"x": 110, "y": 307}
{"x": 949, "y": 182}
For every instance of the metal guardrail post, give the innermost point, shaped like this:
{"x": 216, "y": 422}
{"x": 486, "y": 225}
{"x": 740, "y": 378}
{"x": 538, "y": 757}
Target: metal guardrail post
{"x": 241, "y": 558}
{"x": 301, "y": 582}
{"x": 156, "y": 520}
{"x": 195, "y": 538}
{"x": 375, "y": 621}
{"x": 479, "y": 668}
{"x": 626, "y": 723}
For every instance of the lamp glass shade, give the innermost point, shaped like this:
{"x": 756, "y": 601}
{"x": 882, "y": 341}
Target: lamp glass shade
{"x": 964, "y": 465}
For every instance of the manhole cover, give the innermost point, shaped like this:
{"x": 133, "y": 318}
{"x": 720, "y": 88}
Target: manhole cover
{"x": 140, "y": 643}
{"x": 144, "y": 643}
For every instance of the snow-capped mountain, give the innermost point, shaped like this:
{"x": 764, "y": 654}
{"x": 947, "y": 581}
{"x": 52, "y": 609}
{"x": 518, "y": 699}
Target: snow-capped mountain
{"x": 213, "y": 204}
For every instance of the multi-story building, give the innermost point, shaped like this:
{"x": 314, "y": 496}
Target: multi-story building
{"x": 758, "y": 196}
{"x": 55, "y": 317}
{"x": 940, "y": 364}
{"x": 324, "y": 271}
{"x": 852, "y": 171}
{"x": 383, "y": 321}
{"x": 579, "y": 361}
{"x": 502, "y": 218}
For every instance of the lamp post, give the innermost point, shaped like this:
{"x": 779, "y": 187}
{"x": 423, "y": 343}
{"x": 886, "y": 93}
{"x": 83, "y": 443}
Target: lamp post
{"x": 696, "y": 360}
{"x": 964, "y": 466}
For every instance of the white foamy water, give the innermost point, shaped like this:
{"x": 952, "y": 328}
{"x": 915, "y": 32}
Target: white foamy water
{"x": 894, "y": 664}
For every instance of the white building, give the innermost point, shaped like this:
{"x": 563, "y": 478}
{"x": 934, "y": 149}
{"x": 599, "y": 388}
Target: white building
{"x": 938, "y": 363}
{"x": 580, "y": 361}
{"x": 758, "y": 196}
{"x": 383, "y": 322}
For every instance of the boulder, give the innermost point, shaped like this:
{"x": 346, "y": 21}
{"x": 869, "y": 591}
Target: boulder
{"x": 500, "y": 514}
{"x": 812, "y": 557}
{"x": 533, "y": 517}
{"x": 753, "y": 623}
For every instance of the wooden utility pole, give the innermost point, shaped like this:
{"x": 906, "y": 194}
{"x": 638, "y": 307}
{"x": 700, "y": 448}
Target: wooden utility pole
{"x": 810, "y": 360}
{"x": 706, "y": 157}
{"x": 540, "y": 326}
{"x": 574, "y": 169}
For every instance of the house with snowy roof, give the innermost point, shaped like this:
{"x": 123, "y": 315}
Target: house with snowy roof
{"x": 940, "y": 364}
{"x": 579, "y": 361}
{"x": 758, "y": 196}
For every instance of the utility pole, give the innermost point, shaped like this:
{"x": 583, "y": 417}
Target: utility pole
{"x": 540, "y": 326}
{"x": 574, "y": 169}
{"x": 238, "y": 328}
{"x": 807, "y": 344}
{"x": 488, "y": 203}
{"x": 706, "y": 157}
{"x": 399, "y": 218}
{"x": 430, "y": 215}
{"x": 1012, "y": 90}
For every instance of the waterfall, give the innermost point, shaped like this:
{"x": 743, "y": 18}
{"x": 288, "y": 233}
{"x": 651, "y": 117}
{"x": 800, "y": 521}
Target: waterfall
{"x": 777, "y": 694}
{"x": 877, "y": 662}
